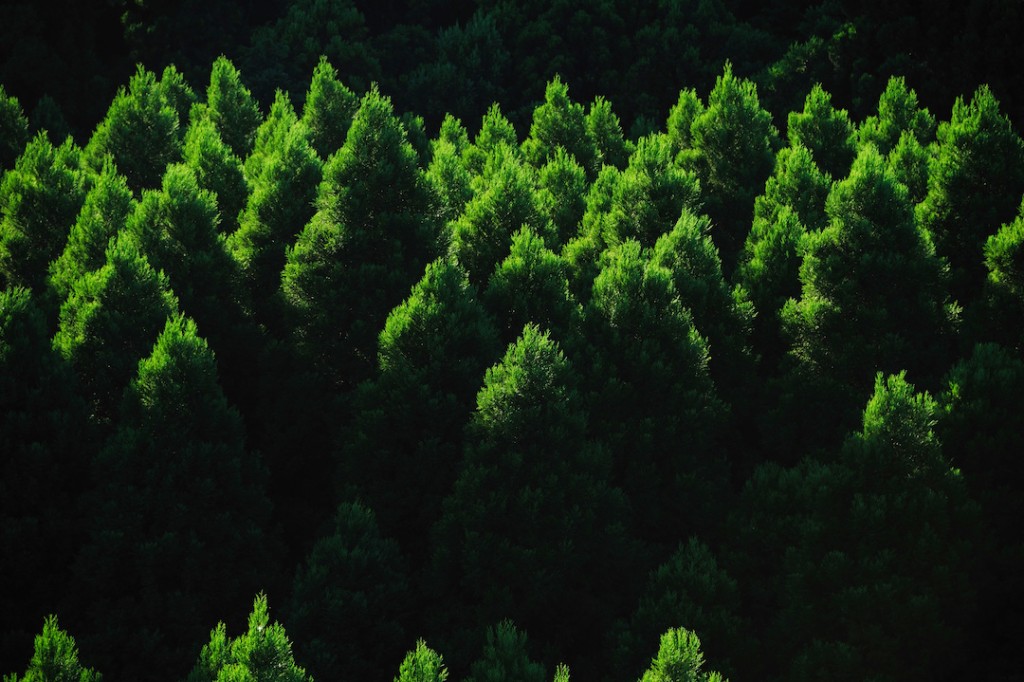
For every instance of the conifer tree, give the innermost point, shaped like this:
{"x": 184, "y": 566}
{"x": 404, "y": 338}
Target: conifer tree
{"x": 46, "y": 444}
{"x": 973, "y": 187}
{"x": 55, "y": 658}
{"x": 898, "y": 112}
{"x": 180, "y": 522}
{"x": 13, "y": 130}
{"x": 262, "y": 654}
{"x": 825, "y": 131}
{"x": 1001, "y": 314}
{"x": 366, "y": 245}
{"x": 431, "y": 354}
{"x": 449, "y": 179}
{"x": 177, "y": 94}
{"x": 270, "y": 135}
{"x": 422, "y": 664}
{"x": 532, "y": 530}
{"x": 104, "y": 213}
{"x": 561, "y": 195}
{"x": 328, "y": 110}
{"x": 559, "y": 122}
{"x": 680, "y": 122}
{"x": 217, "y": 169}
{"x": 679, "y": 659}
{"x": 231, "y": 107}
{"x": 495, "y": 130}
{"x": 734, "y": 145}
{"x": 503, "y": 201}
{"x": 109, "y": 322}
{"x": 39, "y": 199}
{"x": 349, "y": 599}
{"x": 653, "y": 403}
{"x": 909, "y": 161}
{"x": 605, "y": 134}
{"x": 797, "y": 184}
{"x": 505, "y": 658}
{"x": 873, "y": 299}
{"x": 140, "y": 132}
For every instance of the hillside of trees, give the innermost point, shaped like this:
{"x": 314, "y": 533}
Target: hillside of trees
{"x": 452, "y": 375}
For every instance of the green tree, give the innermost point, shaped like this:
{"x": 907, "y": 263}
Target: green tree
{"x": 349, "y": 599}
{"x": 328, "y": 110}
{"x": 55, "y": 658}
{"x": 431, "y": 354}
{"x": 262, "y": 654}
{"x": 734, "y": 145}
{"x": 217, "y": 169}
{"x": 605, "y": 134}
{"x": 270, "y": 135}
{"x": 495, "y": 130}
{"x": 796, "y": 184}
{"x": 680, "y": 121}
{"x": 973, "y": 188}
{"x": 140, "y": 132}
{"x": 825, "y": 131}
{"x": 230, "y": 106}
{"x": 530, "y": 286}
{"x": 505, "y": 658}
{"x": 561, "y": 195}
{"x": 422, "y": 664}
{"x": 1001, "y": 313}
{"x": 532, "y": 530}
{"x": 110, "y": 321}
{"x": 504, "y": 200}
{"x": 652, "y": 401}
{"x": 910, "y": 161}
{"x": 873, "y": 299}
{"x": 46, "y": 444}
{"x": 449, "y": 179}
{"x": 560, "y": 122}
{"x": 368, "y": 242}
{"x": 180, "y": 521}
{"x": 679, "y": 659}
{"x": 177, "y": 94}
{"x": 13, "y": 130}
{"x": 898, "y": 112}
{"x": 869, "y": 571}
{"x": 104, "y": 213}
{"x": 39, "y": 200}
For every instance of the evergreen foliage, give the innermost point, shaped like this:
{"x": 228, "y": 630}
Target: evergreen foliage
{"x": 825, "y": 131}
{"x": 217, "y": 169}
{"x": 13, "y": 129}
{"x": 230, "y": 106}
{"x": 55, "y": 658}
{"x": 328, "y": 110}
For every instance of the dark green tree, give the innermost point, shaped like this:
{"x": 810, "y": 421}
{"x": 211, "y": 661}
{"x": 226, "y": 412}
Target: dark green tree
{"x": 898, "y": 112}
{"x": 262, "y": 654}
{"x": 825, "y": 131}
{"x": 368, "y": 242}
{"x": 734, "y": 145}
{"x": 328, "y": 110}
{"x": 217, "y": 169}
{"x": 431, "y": 354}
{"x": 532, "y": 530}
{"x": 605, "y": 134}
{"x": 1001, "y": 314}
{"x": 270, "y": 135}
{"x": 39, "y": 199}
{"x": 180, "y": 522}
{"x": 873, "y": 299}
{"x": 798, "y": 185}
{"x": 13, "y": 130}
{"x": 679, "y": 659}
{"x": 109, "y": 322}
{"x": 449, "y": 179}
{"x": 506, "y": 658}
{"x": 349, "y": 599}
{"x": 680, "y": 121}
{"x": 140, "y": 132}
{"x": 504, "y": 200}
{"x": 55, "y": 658}
{"x": 104, "y": 213}
{"x": 495, "y": 130}
{"x": 652, "y": 401}
{"x": 230, "y": 106}
{"x": 910, "y": 161}
{"x": 974, "y": 187}
{"x": 562, "y": 191}
{"x": 46, "y": 444}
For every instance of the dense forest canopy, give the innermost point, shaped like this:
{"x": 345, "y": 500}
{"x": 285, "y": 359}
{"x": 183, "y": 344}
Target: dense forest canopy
{"x": 407, "y": 340}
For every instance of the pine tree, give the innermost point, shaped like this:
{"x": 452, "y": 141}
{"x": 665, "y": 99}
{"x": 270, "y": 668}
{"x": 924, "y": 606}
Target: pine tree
{"x": 1001, "y": 313}
{"x": 177, "y": 94}
{"x": 349, "y": 599}
{"x": 561, "y": 195}
{"x": 605, "y": 134}
{"x": 104, "y": 213}
{"x": 559, "y": 122}
{"x": 230, "y": 106}
{"x": 109, "y": 322}
{"x": 262, "y": 654}
{"x": 55, "y": 658}
{"x": 328, "y": 110}
{"x": 734, "y": 145}
{"x": 140, "y": 132}
{"x": 422, "y": 664}
{"x": 679, "y": 659}
{"x": 179, "y": 516}
{"x": 13, "y": 130}
{"x": 495, "y": 130}
{"x": 680, "y": 122}
{"x": 825, "y": 131}
{"x": 505, "y": 658}
{"x": 217, "y": 169}
{"x": 898, "y": 112}
{"x": 796, "y": 184}
{"x": 449, "y": 179}
{"x": 910, "y": 162}
{"x": 973, "y": 188}
{"x": 39, "y": 200}
{"x": 270, "y": 135}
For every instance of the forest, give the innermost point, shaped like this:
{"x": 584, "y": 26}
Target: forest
{"x": 409, "y": 340}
